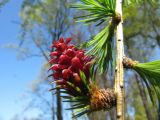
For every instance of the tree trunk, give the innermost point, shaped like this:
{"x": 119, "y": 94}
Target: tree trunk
{"x": 52, "y": 108}
{"x": 59, "y": 106}
{"x": 144, "y": 99}
{"x": 119, "y": 79}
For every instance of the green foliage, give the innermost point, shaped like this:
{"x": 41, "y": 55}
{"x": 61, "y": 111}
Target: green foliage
{"x": 98, "y": 10}
{"x": 84, "y": 80}
{"x": 101, "y": 44}
{"x": 80, "y": 104}
{"x": 80, "y": 101}
{"x": 150, "y": 73}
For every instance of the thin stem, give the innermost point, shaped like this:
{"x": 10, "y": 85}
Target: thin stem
{"x": 119, "y": 79}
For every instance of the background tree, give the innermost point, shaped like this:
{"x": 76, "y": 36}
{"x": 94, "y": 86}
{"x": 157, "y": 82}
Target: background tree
{"x": 2, "y": 3}
{"x": 44, "y": 22}
{"x": 141, "y": 35}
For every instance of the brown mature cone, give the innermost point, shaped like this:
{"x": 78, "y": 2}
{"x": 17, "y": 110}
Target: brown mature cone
{"x": 102, "y": 99}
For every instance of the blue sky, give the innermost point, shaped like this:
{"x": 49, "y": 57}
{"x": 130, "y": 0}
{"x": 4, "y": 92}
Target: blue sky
{"x": 15, "y": 75}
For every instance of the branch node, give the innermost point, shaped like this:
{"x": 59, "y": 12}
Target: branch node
{"x": 116, "y": 19}
{"x": 129, "y": 63}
